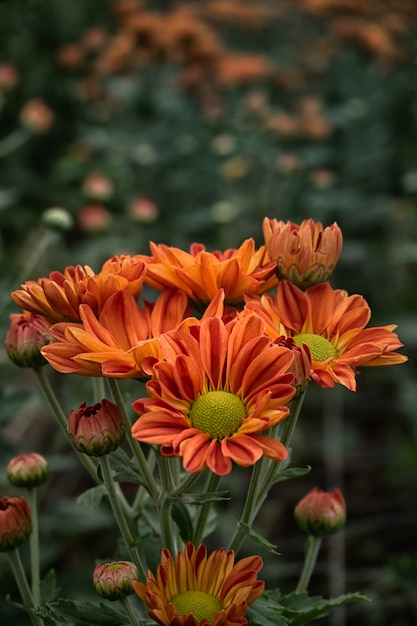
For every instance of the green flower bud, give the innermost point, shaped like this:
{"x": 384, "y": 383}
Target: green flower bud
{"x": 113, "y": 581}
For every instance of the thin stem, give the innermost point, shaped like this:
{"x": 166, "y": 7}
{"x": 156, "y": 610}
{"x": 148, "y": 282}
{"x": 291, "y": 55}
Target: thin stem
{"x": 119, "y": 514}
{"x": 312, "y": 551}
{"x": 165, "y": 505}
{"x": 202, "y": 515}
{"x": 133, "y": 618}
{"x": 264, "y": 475}
{"x": 137, "y": 451}
{"x": 34, "y": 547}
{"x": 62, "y": 421}
{"x": 188, "y": 482}
{"x": 23, "y": 585}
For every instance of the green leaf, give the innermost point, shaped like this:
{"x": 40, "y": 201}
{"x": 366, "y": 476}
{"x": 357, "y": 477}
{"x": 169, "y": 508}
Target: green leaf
{"x": 300, "y": 608}
{"x": 182, "y": 518}
{"x": 292, "y": 472}
{"x": 125, "y": 469}
{"x": 73, "y": 613}
{"x": 49, "y": 590}
{"x": 203, "y": 498}
{"x": 91, "y": 498}
{"x": 257, "y": 538}
{"x": 266, "y": 612}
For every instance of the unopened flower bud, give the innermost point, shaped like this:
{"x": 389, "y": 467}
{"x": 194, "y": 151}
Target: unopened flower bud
{"x": 27, "y": 334}
{"x": 96, "y": 430}
{"x": 57, "y": 219}
{"x": 305, "y": 254}
{"x": 15, "y": 522}
{"x": 321, "y": 513}
{"x": 97, "y": 186}
{"x": 37, "y": 116}
{"x": 113, "y": 581}
{"x": 94, "y": 218}
{"x": 27, "y": 470}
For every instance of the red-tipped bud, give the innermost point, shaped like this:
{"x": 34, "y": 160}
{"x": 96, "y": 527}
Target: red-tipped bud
{"x": 27, "y": 334}
{"x": 15, "y": 522}
{"x": 113, "y": 581}
{"x": 96, "y": 430}
{"x": 37, "y": 116}
{"x": 27, "y": 470}
{"x": 321, "y": 513}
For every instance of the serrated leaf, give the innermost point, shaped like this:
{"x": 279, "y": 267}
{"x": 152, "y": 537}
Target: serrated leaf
{"x": 125, "y": 469}
{"x": 204, "y": 498}
{"x": 300, "y": 608}
{"x": 257, "y": 538}
{"x": 91, "y": 498}
{"x": 182, "y": 518}
{"x": 266, "y": 612}
{"x": 76, "y": 613}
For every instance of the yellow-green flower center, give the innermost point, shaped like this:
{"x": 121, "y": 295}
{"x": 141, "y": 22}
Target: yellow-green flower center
{"x": 217, "y": 413}
{"x": 320, "y": 348}
{"x": 198, "y": 603}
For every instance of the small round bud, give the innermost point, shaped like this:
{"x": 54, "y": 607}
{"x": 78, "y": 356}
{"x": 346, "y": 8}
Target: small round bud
{"x": 15, "y": 522}
{"x": 113, "y": 581}
{"x": 96, "y": 430}
{"x": 27, "y": 470}
{"x": 57, "y": 219}
{"x": 27, "y": 334}
{"x": 320, "y": 513}
{"x": 37, "y": 117}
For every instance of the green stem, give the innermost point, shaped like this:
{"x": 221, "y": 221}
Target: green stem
{"x": 133, "y": 618}
{"x": 188, "y": 482}
{"x": 149, "y": 480}
{"x": 165, "y": 505}
{"x": 264, "y": 475}
{"x": 62, "y": 421}
{"x": 23, "y": 585}
{"x": 34, "y": 547}
{"x": 312, "y": 550}
{"x": 13, "y": 141}
{"x": 202, "y": 515}
{"x": 119, "y": 514}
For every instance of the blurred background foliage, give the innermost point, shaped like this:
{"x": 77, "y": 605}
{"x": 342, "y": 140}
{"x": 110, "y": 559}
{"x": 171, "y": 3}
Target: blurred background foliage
{"x": 190, "y": 121}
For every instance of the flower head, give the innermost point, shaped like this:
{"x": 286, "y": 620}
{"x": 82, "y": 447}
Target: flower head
{"x": 107, "y": 347}
{"x": 219, "y": 386}
{"x": 201, "y": 590}
{"x": 332, "y": 325}
{"x": 305, "y": 254}
{"x": 27, "y": 470}
{"x": 27, "y": 334}
{"x": 200, "y": 274}
{"x": 113, "y": 581}
{"x": 321, "y": 513}
{"x": 59, "y": 297}
{"x": 96, "y": 430}
{"x": 15, "y": 522}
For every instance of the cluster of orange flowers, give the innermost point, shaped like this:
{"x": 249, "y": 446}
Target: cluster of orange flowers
{"x": 230, "y": 339}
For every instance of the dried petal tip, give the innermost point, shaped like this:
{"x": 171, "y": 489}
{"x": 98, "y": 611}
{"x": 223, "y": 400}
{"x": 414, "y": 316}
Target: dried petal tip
{"x": 305, "y": 254}
{"x": 96, "y": 430}
{"x": 113, "y": 581}
{"x": 320, "y": 513}
{"x": 27, "y": 470}
{"x": 27, "y": 334}
{"x": 15, "y": 523}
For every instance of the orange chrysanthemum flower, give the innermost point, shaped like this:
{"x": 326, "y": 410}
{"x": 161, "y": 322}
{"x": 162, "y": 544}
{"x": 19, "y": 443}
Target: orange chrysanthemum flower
{"x": 122, "y": 342}
{"x": 305, "y": 254}
{"x": 220, "y": 387}
{"x": 59, "y": 297}
{"x": 201, "y": 273}
{"x": 201, "y": 590}
{"x": 332, "y": 324}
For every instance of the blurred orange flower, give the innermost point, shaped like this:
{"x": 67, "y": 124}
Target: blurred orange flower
{"x": 215, "y": 393}
{"x": 199, "y": 589}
